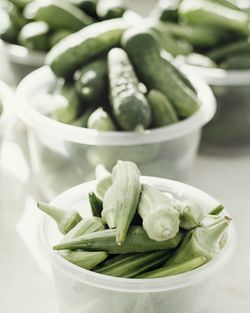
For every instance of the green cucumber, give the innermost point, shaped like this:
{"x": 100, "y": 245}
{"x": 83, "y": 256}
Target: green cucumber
{"x": 34, "y": 36}
{"x": 202, "y": 12}
{"x": 58, "y": 14}
{"x": 58, "y": 36}
{"x": 16, "y": 17}
{"x": 130, "y": 265}
{"x": 236, "y": 62}
{"x": 88, "y": 6}
{"x": 130, "y": 106}
{"x": 157, "y": 72}
{"x": 163, "y": 113}
{"x": 9, "y": 33}
{"x": 77, "y": 49}
{"x": 101, "y": 120}
{"x": 166, "y": 10}
{"x": 108, "y": 9}
{"x": 136, "y": 241}
{"x": 91, "y": 83}
{"x": 20, "y": 3}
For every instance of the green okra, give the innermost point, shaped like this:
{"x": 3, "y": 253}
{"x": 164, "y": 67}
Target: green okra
{"x": 125, "y": 190}
{"x": 95, "y": 204}
{"x": 85, "y": 259}
{"x": 160, "y": 220}
{"x": 65, "y": 219}
{"x": 108, "y": 212}
{"x": 191, "y": 214}
{"x": 175, "y": 269}
{"x": 130, "y": 265}
{"x": 136, "y": 241}
{"x": 104, "y": 181}
{"x": 101, "y": 120}
{"x": 201, "y": 241}
{"x": 163, "y": 113}
{"x": 217, "y": 210}
{"x": 85, "y": 226}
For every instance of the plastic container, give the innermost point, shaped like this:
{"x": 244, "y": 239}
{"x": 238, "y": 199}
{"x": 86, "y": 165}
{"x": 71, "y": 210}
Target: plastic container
{"x": 82, "y": 291}
{"x": 230, "y": 127}
{"x": 21, "y": 61}
{"x": 6, "y": 117}
{"x": 65, "y": 155}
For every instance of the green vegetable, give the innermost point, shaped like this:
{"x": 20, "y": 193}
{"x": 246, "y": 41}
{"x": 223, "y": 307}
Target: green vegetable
{"x": 236, "y": 62}
{"x": 82, "y": 120}
{"x": 191, "y": 214}
{"x": 108, "y": 212}
{"x": 65, "y": 219}
{"x": 197, "y": 59}
{"x": 160, "y": 220}
{"x": 163, "y": 113}
{"x": 58, "y": 36}
{"x": 85, "y": 259}
{"x": 175, "y": 269}
{"x": 157, "y": 73}
{"x": 130, "y": 265}
{"x": 58, "y": 14}
{"x": 77, "y": 49}
{"x": 217, "y": 210}
{"x": 136, "y": 241}
{"x": 108, "y": 9}
{"x": 166, "y": 10}
{"x": 88, "y": 6}
{"x": 34, "y": 36}
{"x": 130, "y": 106}
{"x": 126, "y": 190}
{"x": 104, "y": 181}
{"x": 20, "y": 3}
{"x": 91, "y": 82}
{"x": 101, "y": 120}
{"x": 96, "y": 204}
{"x": 16, "y": 17}
{"x": 201, "y": 241}
{"x": 204, "y": 12}
{"x": 9, "y": 33}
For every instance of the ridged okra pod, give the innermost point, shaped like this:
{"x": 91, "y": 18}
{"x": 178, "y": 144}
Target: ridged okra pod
{"x": 160, "y": 220}
{"x": 85, "y": 259}
{"x": 65, "y": 219}
{"x": 130, "y": 265}
{"x": 136, "y": 241}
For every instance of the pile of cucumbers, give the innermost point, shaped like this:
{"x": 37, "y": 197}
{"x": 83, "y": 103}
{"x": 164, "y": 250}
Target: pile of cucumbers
{"x": 137, "y": 231}
{"x": 115, "y": 76}
{"x": 40, "y": 24}
{"x": 216, "y": 31}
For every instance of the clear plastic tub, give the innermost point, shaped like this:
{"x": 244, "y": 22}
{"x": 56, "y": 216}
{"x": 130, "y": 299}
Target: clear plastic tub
{"x": 65, "y": 155}
{"x": 21, "y": 61}
{"x": 82, "y": 291}
{"x": 230, "y": 127}
{"x": 6, "y": 117}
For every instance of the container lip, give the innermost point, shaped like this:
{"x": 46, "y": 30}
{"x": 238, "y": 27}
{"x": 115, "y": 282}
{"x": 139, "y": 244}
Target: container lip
{"x": 138, "y": 285}
{"x": 21, "y": 55}
{"x": 218, "y": 76}
{"x": 6, "y": 97}
{"x": 71, "y": 133}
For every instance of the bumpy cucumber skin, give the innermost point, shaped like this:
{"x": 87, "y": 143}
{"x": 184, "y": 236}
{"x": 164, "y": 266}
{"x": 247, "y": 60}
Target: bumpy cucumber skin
{"x": 34, "y": 36}
{"x": 91, "y": 82}
{"x": 108, "y": 9}
{"x": 130, "y": 106}
{"x": 136, "y": 241}
{"x": 163, "y": 113}
{"x": 157, "y": 73}
{"x": 61, "y": 15}
{"x": 77, "y": 49}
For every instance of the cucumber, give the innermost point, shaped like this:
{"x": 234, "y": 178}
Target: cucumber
{"x": 166, "y": 10}
{"x": 58, "y": 14}
{"x": 130, "y": 106}
{"x": 57, "y": 36}
{"x": 91, "y": 82}
{"x": 88, "y": 6}
{"x": 108, "y": 9}
{"x": 157, "y": 72}
{"x": 16, "y": 17}
{"x": 34, "y": 36}
{"x": 212, "y": 14}
{"x": 236, "y": 62}
{"x": 9, "y": 33}
{"x": 77, "y": 49}
{"x": 163, "y": 113}
{"x": 136, "y": 241}
{"x": 101, "y": 120}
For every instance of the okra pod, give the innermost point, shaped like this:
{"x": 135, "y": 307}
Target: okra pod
{"x": 136, "y": 241}
{"x": 95, "y": 204}
{"x": 108, "y": 211}
{"x": 175, "y": 269}
{"x": 160, "y": 220}
{"x": 125, "y": 190}
{"x": 130, "y": 265}
{"x": 65, "y": 219}
{"x": 191, "y": 214}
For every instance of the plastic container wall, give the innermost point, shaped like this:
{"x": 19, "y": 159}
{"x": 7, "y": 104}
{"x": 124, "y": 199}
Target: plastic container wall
{"x": 82, "y": 291}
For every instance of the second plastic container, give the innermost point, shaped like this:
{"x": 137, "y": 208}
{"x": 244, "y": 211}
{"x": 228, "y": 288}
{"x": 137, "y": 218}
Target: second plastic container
{"x": 65, "y": 155}
{"x": 82, "y": 291}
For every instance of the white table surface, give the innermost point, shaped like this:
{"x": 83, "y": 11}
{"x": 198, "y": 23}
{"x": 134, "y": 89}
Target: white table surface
{"x": 25, "y": 281}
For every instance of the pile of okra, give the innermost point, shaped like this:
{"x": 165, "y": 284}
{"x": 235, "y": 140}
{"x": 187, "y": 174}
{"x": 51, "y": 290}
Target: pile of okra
{"x": 136, "y": 230}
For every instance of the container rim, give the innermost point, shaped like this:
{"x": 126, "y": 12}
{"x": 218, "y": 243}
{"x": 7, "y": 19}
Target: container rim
{"x": 218, "y": 76}
{"x": 129, "y": 284}
{"x": 6, "y": 97}
{"x": 21, "y": 55}
{"x": 29, "y": 115}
